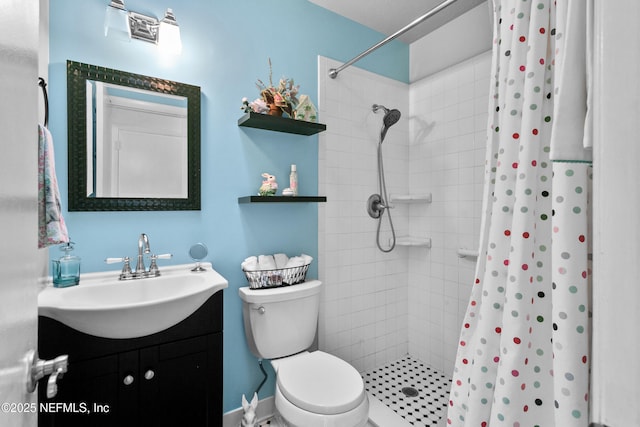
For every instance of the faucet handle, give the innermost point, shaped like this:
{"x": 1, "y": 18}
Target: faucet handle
{"x": 126, "y": 268}
{"x": 153, "y": 268}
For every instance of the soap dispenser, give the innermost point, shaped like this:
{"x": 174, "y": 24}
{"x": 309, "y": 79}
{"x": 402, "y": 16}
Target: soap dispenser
{"x": 66, "y": 270}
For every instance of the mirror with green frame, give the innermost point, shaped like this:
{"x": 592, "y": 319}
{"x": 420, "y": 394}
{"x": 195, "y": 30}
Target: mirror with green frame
{"x": 134, "y": 141}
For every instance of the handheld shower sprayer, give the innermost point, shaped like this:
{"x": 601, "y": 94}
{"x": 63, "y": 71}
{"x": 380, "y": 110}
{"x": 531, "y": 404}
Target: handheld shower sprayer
{"x": 378, "y": 203}
{"x": 390, "y": 118}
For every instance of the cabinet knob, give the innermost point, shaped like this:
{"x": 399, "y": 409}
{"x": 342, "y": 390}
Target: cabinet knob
{"x": 128, "y": 380}
{"x": 149, "y": 374}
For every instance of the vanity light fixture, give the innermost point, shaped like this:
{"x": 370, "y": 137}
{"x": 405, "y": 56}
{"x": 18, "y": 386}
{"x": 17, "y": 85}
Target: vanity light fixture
{"x": 165, "y": 33}
{"x": 169, "y": 34}
{"x": 143, "y": 27}
{"x": 116, "y": 21}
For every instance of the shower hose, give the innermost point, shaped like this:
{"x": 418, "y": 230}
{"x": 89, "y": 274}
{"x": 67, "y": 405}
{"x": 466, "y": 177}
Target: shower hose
{"x": 382, "y": 185}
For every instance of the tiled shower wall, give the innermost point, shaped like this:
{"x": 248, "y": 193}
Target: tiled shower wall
{"x": 447, "y": 156}
{"x": 377, "y": 307}
{"x": 364, "y": 305}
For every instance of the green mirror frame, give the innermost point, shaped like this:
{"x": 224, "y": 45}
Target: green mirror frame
{"x": 77, "y": 76}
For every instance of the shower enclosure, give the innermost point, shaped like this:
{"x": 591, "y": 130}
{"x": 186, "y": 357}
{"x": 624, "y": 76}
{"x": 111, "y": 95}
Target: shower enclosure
{"x": 380, "y": 307}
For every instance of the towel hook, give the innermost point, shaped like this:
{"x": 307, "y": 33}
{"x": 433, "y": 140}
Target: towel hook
{"x": 43, "y": 84}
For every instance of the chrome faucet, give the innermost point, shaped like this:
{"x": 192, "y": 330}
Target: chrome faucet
{"x": 143, "y": 244}
{"x": 140, "y": 271}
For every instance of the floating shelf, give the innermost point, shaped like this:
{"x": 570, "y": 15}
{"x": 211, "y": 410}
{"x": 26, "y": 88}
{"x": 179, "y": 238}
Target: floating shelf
{"x": 280, "y": 124}
{"x": 282, "y": 199}
{"x": 424, "y": 242}
{"x": 411, "y": 198}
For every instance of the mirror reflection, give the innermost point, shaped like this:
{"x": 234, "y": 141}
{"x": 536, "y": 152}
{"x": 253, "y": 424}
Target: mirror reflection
{"x": 134, "y": 141}
{"x": 139, "y": 143}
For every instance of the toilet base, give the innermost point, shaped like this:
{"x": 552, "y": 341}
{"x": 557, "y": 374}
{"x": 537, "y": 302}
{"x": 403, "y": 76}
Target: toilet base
{"x": 296, "y": 417}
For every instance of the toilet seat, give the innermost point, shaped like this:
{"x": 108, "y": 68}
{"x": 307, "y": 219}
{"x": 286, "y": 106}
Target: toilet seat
{"x": 297, "y": 417}
{"x": 320, "y": 383}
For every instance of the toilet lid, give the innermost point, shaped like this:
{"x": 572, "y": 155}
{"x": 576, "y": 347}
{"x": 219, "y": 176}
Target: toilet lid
{"x": 321, "y": 383}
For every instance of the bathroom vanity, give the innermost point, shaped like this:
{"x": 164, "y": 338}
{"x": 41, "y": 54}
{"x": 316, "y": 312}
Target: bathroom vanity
{"x": 169, "y": 378}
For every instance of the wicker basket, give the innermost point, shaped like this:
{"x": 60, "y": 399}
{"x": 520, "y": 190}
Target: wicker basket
{"x": 264, "y": 279}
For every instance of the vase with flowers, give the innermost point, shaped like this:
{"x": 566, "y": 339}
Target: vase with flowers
{"x": 274, "y": 100}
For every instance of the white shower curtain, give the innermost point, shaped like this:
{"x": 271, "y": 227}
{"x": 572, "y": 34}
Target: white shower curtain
{"x": 523, "y": 354}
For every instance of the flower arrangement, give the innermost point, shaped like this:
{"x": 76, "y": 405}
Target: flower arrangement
{"x": 281, "y": 98}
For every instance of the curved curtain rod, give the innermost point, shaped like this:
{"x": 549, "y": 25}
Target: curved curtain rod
{"x": 333, "y": 72}
{"x": 43, "y": 84}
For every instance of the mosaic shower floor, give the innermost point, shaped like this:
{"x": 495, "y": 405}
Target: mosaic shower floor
{"x": 412, "y": 389}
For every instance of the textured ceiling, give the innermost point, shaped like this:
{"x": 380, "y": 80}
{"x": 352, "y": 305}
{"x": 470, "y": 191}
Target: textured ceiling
{"x": 389, "y": 16}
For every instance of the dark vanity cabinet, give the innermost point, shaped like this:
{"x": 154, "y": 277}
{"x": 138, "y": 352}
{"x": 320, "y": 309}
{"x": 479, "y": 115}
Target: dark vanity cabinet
{"x": 170, "y": 378}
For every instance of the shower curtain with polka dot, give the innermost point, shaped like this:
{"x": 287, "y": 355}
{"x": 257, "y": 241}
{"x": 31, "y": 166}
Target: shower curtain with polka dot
{"x": 523, "y": 353}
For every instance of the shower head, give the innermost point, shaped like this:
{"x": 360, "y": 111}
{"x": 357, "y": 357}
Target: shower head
{"x": 390, "y": 118}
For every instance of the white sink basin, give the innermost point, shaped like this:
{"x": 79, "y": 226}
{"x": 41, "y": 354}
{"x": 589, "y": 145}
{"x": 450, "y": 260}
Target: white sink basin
{"x": 104, "y": 306}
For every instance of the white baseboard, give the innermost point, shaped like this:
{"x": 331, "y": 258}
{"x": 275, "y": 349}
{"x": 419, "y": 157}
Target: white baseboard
{"x": 266, "y": 409}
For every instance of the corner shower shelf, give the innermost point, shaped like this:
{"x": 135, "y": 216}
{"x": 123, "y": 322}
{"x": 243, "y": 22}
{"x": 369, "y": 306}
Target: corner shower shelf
{"x": 411, "y": 198}
{"x": 423, "y": 242}
{"x": 282, "y": 199}
{"x": 280, "y": 124}
{"x": 467, "y": 253}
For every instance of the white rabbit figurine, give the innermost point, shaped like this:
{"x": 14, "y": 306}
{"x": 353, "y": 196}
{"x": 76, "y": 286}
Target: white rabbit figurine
{"x": 269, "y": 185}
{"x": 249, "y": 416}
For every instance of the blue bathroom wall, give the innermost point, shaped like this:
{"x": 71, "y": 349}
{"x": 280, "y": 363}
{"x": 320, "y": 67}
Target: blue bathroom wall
{"x": 226, "y": 46}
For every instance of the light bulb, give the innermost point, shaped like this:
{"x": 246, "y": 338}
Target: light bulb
{"x": 169, "y": 34}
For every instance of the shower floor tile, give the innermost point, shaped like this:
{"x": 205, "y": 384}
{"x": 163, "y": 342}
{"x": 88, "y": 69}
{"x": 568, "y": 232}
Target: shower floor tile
{"x": 426, "y": 390}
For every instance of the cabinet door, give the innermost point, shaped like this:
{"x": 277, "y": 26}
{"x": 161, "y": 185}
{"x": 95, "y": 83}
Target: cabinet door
{"x": 178, "y": 381}
{"x": 87, "y": 395}
{"x": 128, "y": 383}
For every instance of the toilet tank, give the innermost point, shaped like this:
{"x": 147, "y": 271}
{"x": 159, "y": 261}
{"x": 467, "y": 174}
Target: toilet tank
{"x": 279, "y": 322}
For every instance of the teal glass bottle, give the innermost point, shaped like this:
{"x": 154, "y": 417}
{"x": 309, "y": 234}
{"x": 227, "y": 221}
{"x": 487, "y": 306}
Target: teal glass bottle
{"x": 66, "y": 270}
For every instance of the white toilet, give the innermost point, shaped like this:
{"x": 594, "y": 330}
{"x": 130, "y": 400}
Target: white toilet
{"x": 313, "y": 389}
